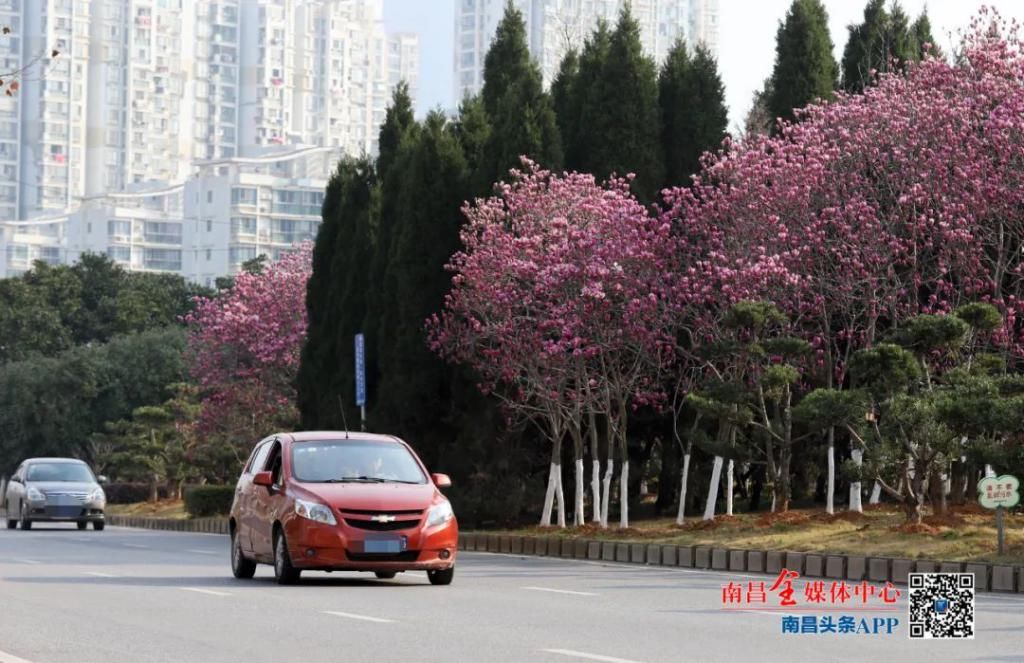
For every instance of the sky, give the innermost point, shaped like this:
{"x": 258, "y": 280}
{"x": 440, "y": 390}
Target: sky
{"x": 746, "y": 51}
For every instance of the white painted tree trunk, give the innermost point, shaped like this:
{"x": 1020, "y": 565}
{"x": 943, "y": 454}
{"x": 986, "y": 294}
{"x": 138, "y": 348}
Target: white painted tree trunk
{"x": 830, "y": 499}
{"x": 728, "y": 488}
{"x": 561, "y": 496}
{"x": 549, "y": 498}
{"x": 624, "y": 495}
{"x": 989, "y": 472}
{"x": 773, "y": 501}
{"x": 682, "y": 489}
{"x": 876, "y": 493}
{"x": 609, "y": 470}
{"x": 578, "y": 517}
{"x": 595, "y": 489}
{"x": 855, "y": 503}
{"x": 716, "y": 476}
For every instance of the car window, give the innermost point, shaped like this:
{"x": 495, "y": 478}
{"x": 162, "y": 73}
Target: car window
{"x": 274, "y": 463}
{"x": 259, "y": 458}
{"x": 59, "y": 472}
{"x": 354, "y": 460}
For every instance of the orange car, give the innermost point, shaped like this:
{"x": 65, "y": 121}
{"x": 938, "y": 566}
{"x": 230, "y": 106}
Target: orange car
{"x": 333, "y": 501}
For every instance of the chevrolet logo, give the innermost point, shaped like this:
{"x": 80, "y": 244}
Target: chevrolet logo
{"x": 383, "y": 519}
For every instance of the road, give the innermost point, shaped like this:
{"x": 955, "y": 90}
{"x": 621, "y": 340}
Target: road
{"x": 139, "y": 596}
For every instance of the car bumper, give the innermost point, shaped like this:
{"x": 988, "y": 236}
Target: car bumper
{"x": 322, "y": 547}
{"x": 39, "y": 513}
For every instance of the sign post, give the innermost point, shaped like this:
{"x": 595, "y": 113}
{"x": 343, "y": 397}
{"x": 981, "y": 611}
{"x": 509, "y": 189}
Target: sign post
{"x": 999, "y": 493}
{"x": 361, "y": 380}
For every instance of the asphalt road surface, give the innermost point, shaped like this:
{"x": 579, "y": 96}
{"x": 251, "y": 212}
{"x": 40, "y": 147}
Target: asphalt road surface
{"x": 139, "y": 596}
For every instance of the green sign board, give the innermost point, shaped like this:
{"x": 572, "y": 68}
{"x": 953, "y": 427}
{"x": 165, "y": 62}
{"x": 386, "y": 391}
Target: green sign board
{"x": 1002, "y": 491}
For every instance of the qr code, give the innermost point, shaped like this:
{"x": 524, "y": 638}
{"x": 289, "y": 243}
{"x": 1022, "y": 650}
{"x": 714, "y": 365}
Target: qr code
{"x": 941, "y": 605}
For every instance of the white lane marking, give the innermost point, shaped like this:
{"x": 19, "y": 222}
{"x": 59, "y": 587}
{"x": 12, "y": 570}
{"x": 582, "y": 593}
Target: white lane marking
{"x": 364, "y": 618}
{"x": 27, "y": 561}
{"x": 135, "y": 545}
{"x": 204, "y": 591}
{"x": 11, "y": 658}
{"x": 593, "y": 657}
{"x": 203, "y": 552}
{"x": 99, "y": 574}
{"x": 560, "y": 591}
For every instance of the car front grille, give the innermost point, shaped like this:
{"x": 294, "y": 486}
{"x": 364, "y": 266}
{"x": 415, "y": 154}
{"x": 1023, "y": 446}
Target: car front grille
{"x": 65, "y": 497}
{"x": 405, "y": 556}
{"x": 376, "y": 526}
{"x": 364, "y": 512}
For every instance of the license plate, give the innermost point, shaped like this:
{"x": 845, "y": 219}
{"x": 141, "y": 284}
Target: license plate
{"x": 382, "y": 546}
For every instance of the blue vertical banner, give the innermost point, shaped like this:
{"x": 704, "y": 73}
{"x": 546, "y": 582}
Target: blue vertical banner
{"x": 360, "y": 371}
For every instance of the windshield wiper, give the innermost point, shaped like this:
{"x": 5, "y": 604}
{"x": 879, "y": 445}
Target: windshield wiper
{"x": 364, "y": 479}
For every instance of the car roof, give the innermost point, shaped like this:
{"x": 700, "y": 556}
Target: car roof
{"x": 320, "y": 435}
{"x": 54, "y": 460}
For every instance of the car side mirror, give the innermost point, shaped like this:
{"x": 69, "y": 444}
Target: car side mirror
{"x": 441, "y": 480}
{"x": 102, "y": 479}
{"x": 263, "y": 479}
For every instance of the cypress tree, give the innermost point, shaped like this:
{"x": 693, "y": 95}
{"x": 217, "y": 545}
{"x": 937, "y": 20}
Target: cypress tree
{"x": 804, "y": 67}
{"x": 414, "y": 395}
{"x": 397, "y": 120}
{"x": 472, "y": 130}
{"x": 620, "y": 124}
{"x": 582, "y": 93}
{"x": 565, "y": 102}
{"x": 519, "y": 111}
{"x": 883, "y": 41}
{"x": 693, "y": 113}
{"x": 922, "y": 30}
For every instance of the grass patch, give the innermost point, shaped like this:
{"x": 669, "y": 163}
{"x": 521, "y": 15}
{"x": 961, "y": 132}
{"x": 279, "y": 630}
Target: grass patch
{"x": 965, "y": 535}
{"x": 173, "y": 509}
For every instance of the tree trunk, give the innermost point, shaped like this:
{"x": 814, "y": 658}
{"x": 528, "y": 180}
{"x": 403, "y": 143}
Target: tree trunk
{"x": 595, "y": 489}
{"x": 561, "y": 496}
{"x": 624, "y": 494}
{"x": 757, "y": 485}
{"x": 609, "y": 470}
{"x": 781, "y": 497}
{"x": 579, "y": 517}
{"x": 830, "y": 496}
{"x": 728, "y": 487}
{"x": 876, "y": 494}
{"x": 682, "y": 488}
{"x": 549, "y": 496}
{"x": 154, "y": 488}
{"x": 855, "y": 498}
{"x": 716, "y": 477}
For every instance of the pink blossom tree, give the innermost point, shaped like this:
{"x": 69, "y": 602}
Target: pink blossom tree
{"x": 244, "y": 346}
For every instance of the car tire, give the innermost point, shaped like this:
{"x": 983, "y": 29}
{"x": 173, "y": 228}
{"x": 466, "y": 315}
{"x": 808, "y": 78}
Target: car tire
{"x": 25, "y": 522}
{"x": 98, "y": 525}
{"x": 284, "y": 572}
{"x": 241, "y": 567}
{"x": 82, "y": 524}
{"x": 442, "y": 577}
{"x": 12, "y": 523}
{"x": 385, "y": 575}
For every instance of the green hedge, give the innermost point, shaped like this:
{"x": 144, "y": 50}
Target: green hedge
{"x": 203, "y": 501}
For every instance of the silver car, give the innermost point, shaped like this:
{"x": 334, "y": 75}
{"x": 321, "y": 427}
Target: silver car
{"x": 54, "y": 490}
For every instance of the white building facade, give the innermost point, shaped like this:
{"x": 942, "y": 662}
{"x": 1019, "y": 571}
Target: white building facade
{"x": 144, "y": 94}
{"x": 555, "y": 26}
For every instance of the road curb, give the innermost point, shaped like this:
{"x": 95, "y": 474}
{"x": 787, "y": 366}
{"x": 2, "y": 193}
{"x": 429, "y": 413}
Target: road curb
{"x": 998, "y": 578}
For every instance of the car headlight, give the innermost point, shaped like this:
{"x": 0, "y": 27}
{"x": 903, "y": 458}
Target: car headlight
{"x": 315, "y": 511}
{"x": 440, "y": 514}
{"x": 97, "y": 496}
{"x": 36, "y": 495}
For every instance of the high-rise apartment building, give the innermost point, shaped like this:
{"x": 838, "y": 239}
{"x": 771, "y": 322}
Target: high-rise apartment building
{"x": 555, "y": 26}
{"x": 143, "y": 92}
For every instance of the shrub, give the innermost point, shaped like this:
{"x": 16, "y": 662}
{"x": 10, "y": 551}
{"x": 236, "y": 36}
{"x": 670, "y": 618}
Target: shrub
{"x": 131, "y": 493}
{"x": 202, "y": 501}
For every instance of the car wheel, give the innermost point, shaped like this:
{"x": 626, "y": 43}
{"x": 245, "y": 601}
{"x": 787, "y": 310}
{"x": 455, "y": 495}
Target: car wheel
{"x": 284, "y": 572}
{"x": 385, "y": 575}
{"x": 12, "y": 523}
{"x": 25, "y": 522}
{"x": 98, "y": 525}
{"x": 441, "y": 577}
{"x": 82, "y": 524}
{"x": 241, "y": 567}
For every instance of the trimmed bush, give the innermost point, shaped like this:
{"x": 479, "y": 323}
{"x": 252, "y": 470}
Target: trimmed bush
{"x": 131, "y": 493}
{"x": 203, "y": 501}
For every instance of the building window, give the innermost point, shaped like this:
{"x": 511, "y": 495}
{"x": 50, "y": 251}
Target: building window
{"x": 209, "y": 253}
{"x": 209, "y": 225}
{"x": 209, "y": 196}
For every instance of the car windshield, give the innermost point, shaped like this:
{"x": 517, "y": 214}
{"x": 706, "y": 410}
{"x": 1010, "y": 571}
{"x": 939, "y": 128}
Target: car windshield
{"x": 365, "y": 461}
{"x": 59, "y": 472}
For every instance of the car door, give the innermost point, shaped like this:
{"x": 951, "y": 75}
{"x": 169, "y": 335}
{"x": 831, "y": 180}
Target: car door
{"x": 266, "y": 500}
{"x": 245, "y": 493}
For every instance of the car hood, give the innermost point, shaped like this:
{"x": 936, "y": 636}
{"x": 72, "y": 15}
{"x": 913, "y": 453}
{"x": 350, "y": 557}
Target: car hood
{"x": 64, "y": 486}
{"x": 374, "y": 496}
